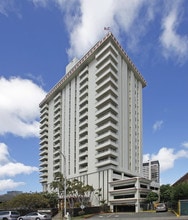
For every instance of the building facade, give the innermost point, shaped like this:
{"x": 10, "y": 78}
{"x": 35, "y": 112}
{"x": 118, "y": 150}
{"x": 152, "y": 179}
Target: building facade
{"x": 151, "y": 170}
{"x": 93, "y": 118}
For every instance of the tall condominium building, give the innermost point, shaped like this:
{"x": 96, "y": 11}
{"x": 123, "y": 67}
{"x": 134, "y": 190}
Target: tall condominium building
{"x": 151, "y": 170}
{"x": 93, "y": 118}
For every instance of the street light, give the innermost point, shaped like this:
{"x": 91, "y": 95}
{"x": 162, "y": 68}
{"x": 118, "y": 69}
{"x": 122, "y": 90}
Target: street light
{"x": 65, "y": 183}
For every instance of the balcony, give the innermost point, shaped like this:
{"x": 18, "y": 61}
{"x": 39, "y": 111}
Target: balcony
{"x": 106, "y": 153}
{"x": 105, "y": 92}
{"x": 106, "y": 127}
{"x": 57, "y": 132}
{"x": 83, "y": 72}
{"x": 108, "y": 81}
{"x": 43, "y": 147}
{"x": 44, "y": 174}
{"x": 44, "y": 126}
{"x": 106, "y": 162}
{"x": 106, "y": 48}
{"x": 109, "y": 107}
{"x": 57, "y": 169}
{"x": 105, "y": 66}
{"x": 83, "y": 87}
{"x": 84, "y": 138}
{"x": 83, "y": 102}
{"x": 44, "y": 108}
{"x": 83, "y": 94}
{"x": 57, "y": 124}
{"x": 57, "y": 111}
{"x": 106, "y": 99}
{"x": 43, "y": 141}
{"x": 44, "y": 134}
{"x": 84, "y": 79}
{"x": 44, "y": 163}
{"x": 106, "y": 143}
{"x": 109, "y": 71}
{"x": 57, "y": 104}
{"x": 83, "y": 131}
{"x": 43, "y": 152}
{"x": 43, "y": 180}
{"x": 107, "y": 135}
{"x": 83, "y": 161}
{"x": 57, "y": 144}
{"x": 43, "y": 169}
{"x": 107, "y": 56}
{"x": 58, "y": 96}
{"x": 56, "y": 164}
{"x": 105, "y": 118}
{"x": 83, "y": 107}
{"x": 83, "y": 123}
{"x": 56, "y": 158}
{"x": 83, "y": 169}
{"x": 83, "y": 115}
{"x": 44, "y": 112}
{"x": 44, "y": 119}
{"x": 83, "y": 153}
{"x": 83, "y": 147}
{"x": 44, "y": 158}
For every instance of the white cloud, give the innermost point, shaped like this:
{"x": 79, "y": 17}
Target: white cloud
{"x": 8, "y": 184}
{"x": 19, "y": 106}
{"x": 4, "y": 154}
{"x": 166, "y": 157}
{"x": 5, "y": 6}
{"x": 9, "y": 6}
{"x": 40, "y": 3}
{"x": 11, "y": 169}
{"x": 88, "y": 26}
{"x": 157, "y": 125}
{"x": 185, "y": 144}
{"x": 173, "y": 43}
{"x": 85, "y": 20}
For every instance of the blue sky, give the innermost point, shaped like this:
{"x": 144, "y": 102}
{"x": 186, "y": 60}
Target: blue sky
{"x": 37, "y": 40}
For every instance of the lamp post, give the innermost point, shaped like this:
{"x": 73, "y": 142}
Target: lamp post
{"x": 65, "y": 184}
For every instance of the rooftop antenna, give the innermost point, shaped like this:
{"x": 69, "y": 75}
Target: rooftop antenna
{"x": 106, "y": 29}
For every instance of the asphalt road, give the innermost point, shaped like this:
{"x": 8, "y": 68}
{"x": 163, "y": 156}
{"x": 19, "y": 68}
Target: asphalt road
{"x": 138, "y": 216}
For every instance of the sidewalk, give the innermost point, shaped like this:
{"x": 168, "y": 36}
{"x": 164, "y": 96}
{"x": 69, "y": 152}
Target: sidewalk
{"x": 58, "y": 216}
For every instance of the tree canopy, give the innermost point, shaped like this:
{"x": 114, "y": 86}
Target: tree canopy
{"x": 27, "y": 201}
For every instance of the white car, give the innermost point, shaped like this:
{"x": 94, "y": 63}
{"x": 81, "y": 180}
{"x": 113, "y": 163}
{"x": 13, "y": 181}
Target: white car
{"x": 161, "y": 207}
{"x": 9, "y": 215}
{"x": 35, "y": 216}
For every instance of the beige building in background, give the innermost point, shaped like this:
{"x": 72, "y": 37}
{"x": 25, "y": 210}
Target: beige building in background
{"x": 93, "y": 115}
{"x": 151, "y": 170}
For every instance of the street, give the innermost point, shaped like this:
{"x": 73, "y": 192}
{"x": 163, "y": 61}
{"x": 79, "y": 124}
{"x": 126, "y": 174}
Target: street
{"x": 138, "y": 216}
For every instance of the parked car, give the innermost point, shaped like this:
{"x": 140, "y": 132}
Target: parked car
{"x": 161, "y": 207}
{"x": 9, "y": 215}
{"x": 35, "y": 216}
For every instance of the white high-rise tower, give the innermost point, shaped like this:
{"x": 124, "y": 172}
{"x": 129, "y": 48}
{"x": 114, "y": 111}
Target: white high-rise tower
{"x": 93, "y": 115}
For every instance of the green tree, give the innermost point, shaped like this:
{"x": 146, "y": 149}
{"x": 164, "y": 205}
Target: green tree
{"x": 166, "y": 193}
{"x": 58, "y": 183}
{"x": 29, "y": 201}
{"x": 52, "y": 199}
{"x": 151, "y": 198}
{"x": 77, "y": 192}
{"x": 180, "y": 191}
